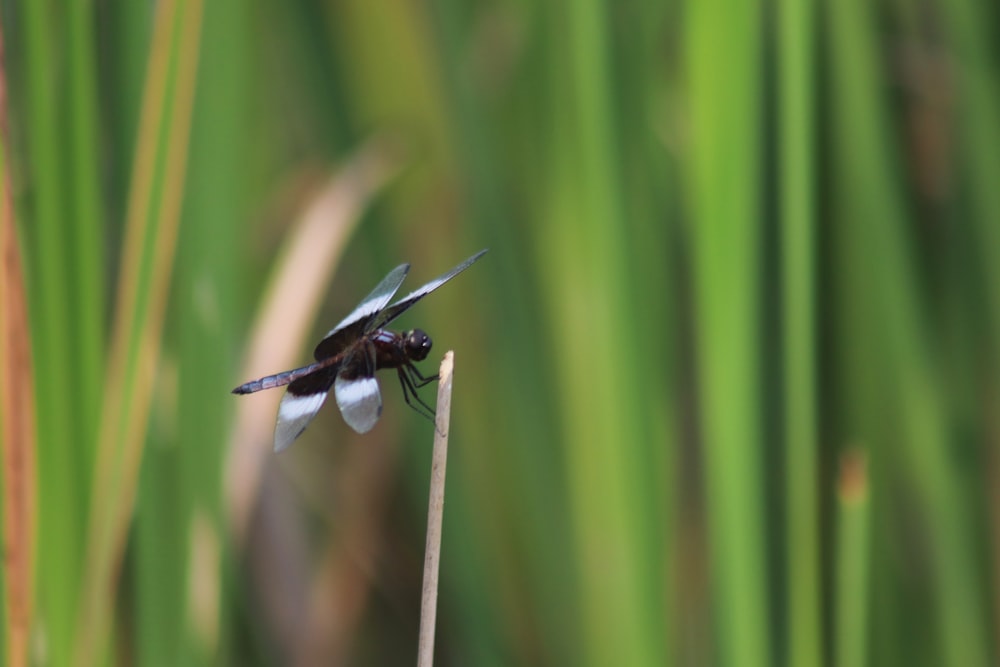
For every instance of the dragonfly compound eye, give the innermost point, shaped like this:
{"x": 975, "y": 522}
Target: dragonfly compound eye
{"x": 418, "y": 345}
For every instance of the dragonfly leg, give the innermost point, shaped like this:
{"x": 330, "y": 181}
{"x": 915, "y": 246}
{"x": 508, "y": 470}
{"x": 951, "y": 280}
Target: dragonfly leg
{"x": 417, "y": 378}
{"x": 410, "y": 389}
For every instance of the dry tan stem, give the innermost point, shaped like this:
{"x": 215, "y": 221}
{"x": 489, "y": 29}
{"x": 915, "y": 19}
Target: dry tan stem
{"x": 435, "y": 513}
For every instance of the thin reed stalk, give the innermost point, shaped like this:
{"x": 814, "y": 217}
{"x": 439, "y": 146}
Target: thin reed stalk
{"x": 435, "y": 514}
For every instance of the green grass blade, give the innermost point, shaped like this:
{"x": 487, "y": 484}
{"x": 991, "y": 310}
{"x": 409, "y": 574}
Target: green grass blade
{"x": 851, "y": 585}
{"x": 495, "y": 571}
{"x": 178, "y": 568}
{"x": 62, "y": 453}
{"x": 153, "y": 218}
{"x": 913, "y": 412}
{"x": 602, "y": 422}
{"x": 87, "y": 223}
{"x": 798, "y": 281}
{"x": 724, "y": 69}
{"x": 972, "y": 40}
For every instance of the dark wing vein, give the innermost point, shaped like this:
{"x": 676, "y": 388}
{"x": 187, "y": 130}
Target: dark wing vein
{"x": 356, "y": 323}
{"x": 395, "y": 310}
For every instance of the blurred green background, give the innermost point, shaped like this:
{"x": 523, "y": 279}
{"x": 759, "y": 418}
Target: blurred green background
{"x": 726, "y": 384}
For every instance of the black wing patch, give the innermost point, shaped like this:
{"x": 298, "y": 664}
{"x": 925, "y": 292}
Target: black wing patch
{"x": 352, "y": 326}
{"x": 299, "y": 405}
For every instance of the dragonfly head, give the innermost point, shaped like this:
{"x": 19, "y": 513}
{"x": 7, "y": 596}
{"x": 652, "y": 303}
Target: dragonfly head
{"x": 418, "y": 344}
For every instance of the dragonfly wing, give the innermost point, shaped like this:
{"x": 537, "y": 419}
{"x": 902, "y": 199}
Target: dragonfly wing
{"x": 395, "y": 310}
{"x": 359, "y": 401}
{"x": 355, "y": 323}
{"x": 299, "y": 405}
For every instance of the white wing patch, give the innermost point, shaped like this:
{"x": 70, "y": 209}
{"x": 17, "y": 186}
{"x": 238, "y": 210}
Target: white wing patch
{"x": 425, "y": 290}
{"x": 375, "y": 301}
{"x": 294, "y": 414}
{"x": 359, "y": 401}
{"x": 398, "y": 308}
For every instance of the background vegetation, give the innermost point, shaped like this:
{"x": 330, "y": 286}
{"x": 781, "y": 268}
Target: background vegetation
{"x": 727, "y": 381}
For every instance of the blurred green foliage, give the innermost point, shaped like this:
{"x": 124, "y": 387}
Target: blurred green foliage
{"x": 733, "y": 247}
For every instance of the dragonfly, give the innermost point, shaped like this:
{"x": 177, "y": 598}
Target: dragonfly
{"x": 349, "y": 355}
